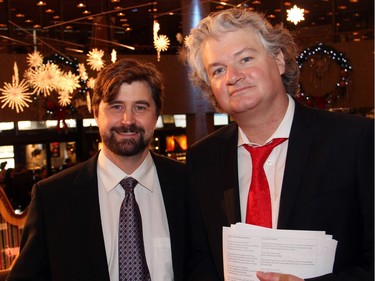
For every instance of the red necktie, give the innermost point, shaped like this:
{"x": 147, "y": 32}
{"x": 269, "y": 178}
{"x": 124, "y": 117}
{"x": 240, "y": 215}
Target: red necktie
{"x": 259, "y": 211}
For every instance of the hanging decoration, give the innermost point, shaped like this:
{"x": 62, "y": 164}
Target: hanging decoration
{"x": 95, "y": 59}
{"x": 295, "y": 15}
{"x": 161, "y": 42}
{"x": 16, "y": 94}
{"x": 60, "y": 82}
{"x": 34, "y": 59}
{"x": 113, "y": 56}
{"x": 327, "y": 100}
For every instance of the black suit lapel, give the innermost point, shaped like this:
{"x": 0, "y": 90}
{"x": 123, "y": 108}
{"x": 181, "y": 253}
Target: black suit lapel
{"x": 88, "y": 219}
{"x": 298, "y": 151}
{"x": 229, "y": 178}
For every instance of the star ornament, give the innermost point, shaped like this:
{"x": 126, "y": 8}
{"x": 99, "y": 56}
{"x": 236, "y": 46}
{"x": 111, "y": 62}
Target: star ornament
{"x": 15, "y": 94}
{"x": 35, "y": 59}
{"x": 44, "y": 78}
{"x": 161, "y": 43}
{"x": 95, "y": 59}
{"x": 295, "y": 15}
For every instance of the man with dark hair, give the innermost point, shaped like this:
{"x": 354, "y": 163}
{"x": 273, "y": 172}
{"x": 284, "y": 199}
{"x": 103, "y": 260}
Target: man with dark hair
{"x": 75, "y": 229}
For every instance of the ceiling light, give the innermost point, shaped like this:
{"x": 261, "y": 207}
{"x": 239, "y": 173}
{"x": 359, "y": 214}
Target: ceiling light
{"x": 81, "y": 5}
{"x": 49, "y": 11}
{"x": 41, "y": 3}
{"x": 86, "y": 12}
{"x": 20, "y": 15}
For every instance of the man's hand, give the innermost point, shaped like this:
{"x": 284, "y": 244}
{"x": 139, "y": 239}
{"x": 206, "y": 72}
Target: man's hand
{"x": 271, "y": 276}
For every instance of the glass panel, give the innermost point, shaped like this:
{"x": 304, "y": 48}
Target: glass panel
{"x": 180, "y": 120}
{"x": 89, "y": 122}
{"x": 6, "y": 126}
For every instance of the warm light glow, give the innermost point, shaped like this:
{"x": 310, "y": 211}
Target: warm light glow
{"x": 81, "y": 5}
{"x": 295, "y": 15}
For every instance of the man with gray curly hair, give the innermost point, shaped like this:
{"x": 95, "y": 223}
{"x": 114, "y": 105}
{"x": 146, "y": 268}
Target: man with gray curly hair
{"x": 318, "y": 171}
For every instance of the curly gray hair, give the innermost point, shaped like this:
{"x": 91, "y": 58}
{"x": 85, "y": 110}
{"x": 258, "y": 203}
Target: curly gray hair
{"x": 273, "y": 38}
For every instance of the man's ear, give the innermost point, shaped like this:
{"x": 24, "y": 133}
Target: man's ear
{"x": 95, "y": 112}
{"x": 279, "y": 58}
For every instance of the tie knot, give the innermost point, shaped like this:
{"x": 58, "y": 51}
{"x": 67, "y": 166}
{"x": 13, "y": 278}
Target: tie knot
{"x": 259, "y": 154}
{"x": 128, "y": 184}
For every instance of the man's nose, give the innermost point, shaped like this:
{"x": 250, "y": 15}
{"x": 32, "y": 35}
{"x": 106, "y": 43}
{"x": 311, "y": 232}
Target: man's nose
{"x": 234, "y": 74}
{"x": 128, "y": 116}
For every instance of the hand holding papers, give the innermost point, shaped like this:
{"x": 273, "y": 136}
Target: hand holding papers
{"x": 248, "y": 248}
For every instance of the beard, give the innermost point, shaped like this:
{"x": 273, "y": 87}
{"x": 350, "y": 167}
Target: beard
{"x": 127, "y": 147}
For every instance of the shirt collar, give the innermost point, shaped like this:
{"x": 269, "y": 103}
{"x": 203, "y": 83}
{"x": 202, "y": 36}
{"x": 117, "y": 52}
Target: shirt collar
{"x": 282, "y": 131}
{"x": 111, "y": 175}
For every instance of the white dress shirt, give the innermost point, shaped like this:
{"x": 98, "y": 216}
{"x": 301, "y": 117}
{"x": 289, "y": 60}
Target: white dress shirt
{"x": 154, "y": 220}
{"x": 273, "y": 167}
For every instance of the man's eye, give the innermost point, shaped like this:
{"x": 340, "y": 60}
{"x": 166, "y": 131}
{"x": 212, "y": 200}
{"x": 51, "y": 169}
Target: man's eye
{"x": 140, "y": 108}
{"x": 116, "y": 107}
{"x": 246, "y": 59}
{"x": 218, "y": 71}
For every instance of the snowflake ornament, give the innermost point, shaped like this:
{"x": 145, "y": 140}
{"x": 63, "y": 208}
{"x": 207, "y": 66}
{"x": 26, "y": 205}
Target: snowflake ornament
{"x": 68, "y": 82}
{"x": 161, "y": 43}
{"x": 44, "y": 78}
{"x": 34, "y": 59}
{"x": 15, "y": 94}
{"x": 187, "y": 41}
{"x": 64, "y": 98}
{"x": 88, "y": 102}
{"x": 95, "y": 60}
{"x": 179, "y": 38}
{"x": 91, "y": 83}
{"x": 113, "y": 56}
{"x": 82, "y": 71}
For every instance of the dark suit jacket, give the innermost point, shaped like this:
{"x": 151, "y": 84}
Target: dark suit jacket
{"x": 328, "y": 185}
{"x": 63, "y": 238}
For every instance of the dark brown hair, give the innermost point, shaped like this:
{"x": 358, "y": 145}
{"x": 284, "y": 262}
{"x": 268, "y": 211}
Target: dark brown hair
{"x": 110, "y": 79}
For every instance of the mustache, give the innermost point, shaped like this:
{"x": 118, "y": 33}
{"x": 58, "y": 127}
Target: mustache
{"x": 128, "y": 129}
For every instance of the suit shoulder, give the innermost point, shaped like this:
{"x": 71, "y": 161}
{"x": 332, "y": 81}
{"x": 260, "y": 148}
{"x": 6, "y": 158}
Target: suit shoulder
{"x": 223, "y": 136}
{"x": 66, "y": 178}
{"x": 163, "y": 161}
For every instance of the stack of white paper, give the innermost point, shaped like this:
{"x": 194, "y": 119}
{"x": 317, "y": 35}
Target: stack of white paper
{"x": 248, "y": 248}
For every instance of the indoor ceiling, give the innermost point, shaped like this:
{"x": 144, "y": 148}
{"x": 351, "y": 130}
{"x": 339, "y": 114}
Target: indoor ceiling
{"x": 66, "y": 26}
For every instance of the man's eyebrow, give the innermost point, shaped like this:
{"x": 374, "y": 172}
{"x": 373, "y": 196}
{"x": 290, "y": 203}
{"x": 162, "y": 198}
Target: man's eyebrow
{"x": 236, "y": 54}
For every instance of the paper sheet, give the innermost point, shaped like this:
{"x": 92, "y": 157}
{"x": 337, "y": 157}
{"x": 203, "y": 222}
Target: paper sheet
{"x": 248, "y": 248}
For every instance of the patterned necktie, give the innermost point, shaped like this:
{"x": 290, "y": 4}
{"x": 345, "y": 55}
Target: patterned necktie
{"x": 132, "y": 259}
{"x": 259, "y": 211}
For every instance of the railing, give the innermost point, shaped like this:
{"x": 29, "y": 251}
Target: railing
{"x": 11, "y": 227}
